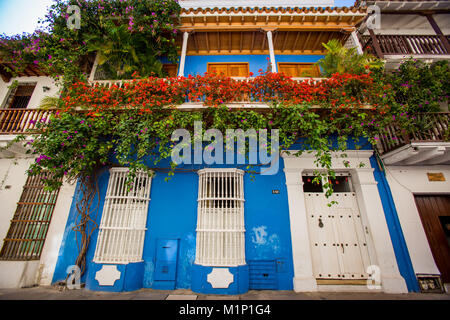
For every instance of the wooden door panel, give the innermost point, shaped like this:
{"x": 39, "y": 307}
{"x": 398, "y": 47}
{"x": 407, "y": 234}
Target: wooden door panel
{"x": 430, "y": 208}
{"x": 322, "y": 236}
{"x": 353, "y": 247}
{"x": 338, "y": 244}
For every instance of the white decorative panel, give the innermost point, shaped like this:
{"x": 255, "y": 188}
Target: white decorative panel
{"x": 220, "y": 278}
{"x": 122, "y": 228}
{"x": 107, "y": 275}
{"x": 220, "y": 220}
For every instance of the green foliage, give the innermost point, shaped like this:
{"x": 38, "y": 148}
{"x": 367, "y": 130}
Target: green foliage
{"x": 421, "y": 87}
{"x": 346, "y": 60}
{"x": 129, "y": 35}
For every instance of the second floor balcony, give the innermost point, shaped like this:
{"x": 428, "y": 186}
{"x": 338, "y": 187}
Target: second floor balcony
{"x": 428, "y": 143}
{"x": 392, "y": 46}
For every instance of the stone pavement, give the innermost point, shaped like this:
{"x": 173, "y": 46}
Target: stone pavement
{"x": 54, "y": 293}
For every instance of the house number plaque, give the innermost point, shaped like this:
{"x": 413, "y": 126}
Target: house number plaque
{"x": 435, "y": 176}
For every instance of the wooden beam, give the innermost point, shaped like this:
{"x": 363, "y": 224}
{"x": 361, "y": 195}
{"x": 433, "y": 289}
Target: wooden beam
{"x": 240, "y": 42}
{"x": 295, "y": 41}
{"x": 294, "y": 27}
{"x": 253, "y": 41}
{"x": 196, "y": 42}
{"x": 375, "y": 44}
{"x": 329, "y": 37}
{"x": 218, "y": 41}
{"x": 317, "y": 41}
{"x": 284, "y": 42}
{"x": 306, "y": 41}
{"x": 263, "y": 42}
{"x": 275, "y": 38}
{"x": 438, "y": 31}
{"x": 207, "y": 41}
{"x": 256, "y": 51}
{"x": 229, "y": 42}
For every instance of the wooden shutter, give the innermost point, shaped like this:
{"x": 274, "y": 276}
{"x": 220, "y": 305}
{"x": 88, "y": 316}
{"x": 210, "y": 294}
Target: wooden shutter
{"x": 298, "y": 70}
{"x": 21, "y": 96}
{"x": 170, "y": 69}
{"x": 28, "y": 230}
{"x": 229, "y": 69}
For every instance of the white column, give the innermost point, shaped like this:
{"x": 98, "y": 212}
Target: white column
{"x": 94, "y": 69}
{"x": 356, "y": 42}
{"x": 271, "y": 51}
{"x": 371, "y": 208}
{"x": 301, "y": 252}
{"x": 183, "y": 54}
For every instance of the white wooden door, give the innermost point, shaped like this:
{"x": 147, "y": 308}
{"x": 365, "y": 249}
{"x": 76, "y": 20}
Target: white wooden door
{"x": 337, "y": 236}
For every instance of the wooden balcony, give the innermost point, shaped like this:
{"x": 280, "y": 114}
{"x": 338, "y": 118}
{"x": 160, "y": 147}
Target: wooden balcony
{"x": 406, "y": 45}
{"x": 427, "y": 143}
{"x": 18, "y": 121}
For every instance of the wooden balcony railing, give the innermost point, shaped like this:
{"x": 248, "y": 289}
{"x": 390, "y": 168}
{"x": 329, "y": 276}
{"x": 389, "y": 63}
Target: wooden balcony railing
{"x": 429, "y": 127}
{"x": 406, "y": 44}
{"x": 17, "y": 121}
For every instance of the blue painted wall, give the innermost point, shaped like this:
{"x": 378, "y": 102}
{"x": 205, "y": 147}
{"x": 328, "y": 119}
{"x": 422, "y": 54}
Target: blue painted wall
{"x": 173, "y": 215}
{"x": 395, "y": 230}
{"x": 197, "y": 65}
{"x": 311, "y": 58}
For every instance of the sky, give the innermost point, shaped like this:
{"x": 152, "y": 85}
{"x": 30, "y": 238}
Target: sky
{"x": 18, "y": 16}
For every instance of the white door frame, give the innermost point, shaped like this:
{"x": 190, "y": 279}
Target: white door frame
{"x": 380, "y": 247}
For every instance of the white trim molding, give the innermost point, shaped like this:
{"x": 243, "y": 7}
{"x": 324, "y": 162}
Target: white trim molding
{"x": 380, "y": 247}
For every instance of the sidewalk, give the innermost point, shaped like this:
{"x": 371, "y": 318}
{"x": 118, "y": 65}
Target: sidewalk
{"x": 53, "y": 293}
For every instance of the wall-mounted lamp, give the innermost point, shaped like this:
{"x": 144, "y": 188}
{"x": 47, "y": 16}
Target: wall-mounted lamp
{"x": 45, "y": 88}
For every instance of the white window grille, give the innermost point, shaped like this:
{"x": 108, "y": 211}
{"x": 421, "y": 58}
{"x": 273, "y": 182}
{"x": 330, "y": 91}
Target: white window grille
{"x": 122, "y": 227}
{"x": 220, "y": 220}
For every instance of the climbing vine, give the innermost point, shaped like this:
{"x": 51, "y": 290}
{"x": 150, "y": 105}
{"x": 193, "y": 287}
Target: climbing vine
{"x": 128, "y": 36}
{"x": 131, "y": 124}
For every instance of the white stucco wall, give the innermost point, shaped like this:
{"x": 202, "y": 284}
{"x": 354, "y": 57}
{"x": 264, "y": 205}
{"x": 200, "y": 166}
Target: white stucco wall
{"x": 12, "y": 178}
{"x": 405, "y": 182}
{"x": 17, "y": 274}
{"x": 38, "y": 92}
{"x": 55, "y": 234}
